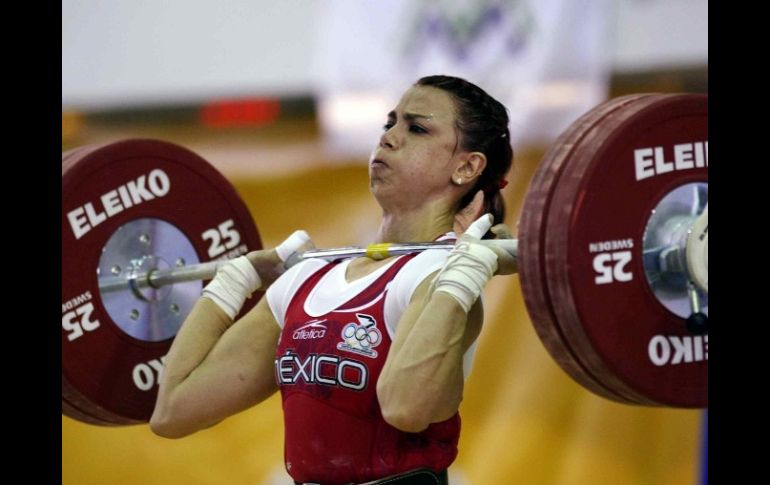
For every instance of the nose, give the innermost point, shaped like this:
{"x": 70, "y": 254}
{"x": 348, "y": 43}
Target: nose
{"x": 388, "y": 139}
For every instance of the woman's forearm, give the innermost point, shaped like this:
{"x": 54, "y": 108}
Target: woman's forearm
{"x": 212, "y": 373}
{"x": 202, "y": 329}
{"x": 422, "y": 381}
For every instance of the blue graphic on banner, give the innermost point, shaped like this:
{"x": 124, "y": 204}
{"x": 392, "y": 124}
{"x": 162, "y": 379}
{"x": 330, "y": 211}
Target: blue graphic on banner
{"x": 459, "y": 31}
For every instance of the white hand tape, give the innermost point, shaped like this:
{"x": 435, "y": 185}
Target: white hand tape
{"x": 292, "y": 244}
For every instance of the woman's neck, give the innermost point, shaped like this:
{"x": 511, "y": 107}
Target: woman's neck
{"x": 416, "y": 225}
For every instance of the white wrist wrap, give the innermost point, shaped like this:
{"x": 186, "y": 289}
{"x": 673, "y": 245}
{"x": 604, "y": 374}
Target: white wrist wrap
{"x": 235, "y": 281}
{"x": 291, "y": 244}
{"x": 467, "y": 270}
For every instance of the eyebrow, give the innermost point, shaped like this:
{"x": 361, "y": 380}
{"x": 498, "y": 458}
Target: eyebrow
{"x": 410, "y": 116}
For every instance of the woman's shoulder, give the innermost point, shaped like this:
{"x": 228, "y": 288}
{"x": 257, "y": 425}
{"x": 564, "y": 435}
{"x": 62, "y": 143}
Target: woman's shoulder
{"x": 296, "y": 274}
{"x": 420, "y": 267}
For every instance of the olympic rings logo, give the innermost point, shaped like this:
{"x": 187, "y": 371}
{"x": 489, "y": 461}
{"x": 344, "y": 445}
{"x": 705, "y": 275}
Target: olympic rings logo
{"x": 360, "y": 336}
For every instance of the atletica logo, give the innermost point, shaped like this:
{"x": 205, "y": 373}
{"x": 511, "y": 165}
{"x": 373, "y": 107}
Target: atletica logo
{"x": 311, "y": 330}
{"x": 361, "y": 338}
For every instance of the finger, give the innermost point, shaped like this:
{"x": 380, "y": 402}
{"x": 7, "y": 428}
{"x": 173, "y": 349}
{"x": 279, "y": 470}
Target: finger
{"x": 475, "y": 208}
{"x": 469, "y": 213}
{"x": 480, "y": 226}
{"x": 502, "y": 231}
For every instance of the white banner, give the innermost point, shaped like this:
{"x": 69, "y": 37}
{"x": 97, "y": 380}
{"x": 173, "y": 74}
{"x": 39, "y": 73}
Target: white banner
{"x": 547, "y": 61}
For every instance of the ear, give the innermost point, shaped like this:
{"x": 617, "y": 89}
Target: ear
{"x": 470, "y": 166}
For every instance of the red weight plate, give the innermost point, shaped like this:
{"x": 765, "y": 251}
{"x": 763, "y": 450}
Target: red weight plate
{"x": 73, "y": 402}
{"x": 73, "y": 412}
{"x": 532, "y": 243}
{"x": 68, "y": 157}
{"x": 78, "y": 407}
{"x": 595, "y": 226}
{"x": 103, "y": 190}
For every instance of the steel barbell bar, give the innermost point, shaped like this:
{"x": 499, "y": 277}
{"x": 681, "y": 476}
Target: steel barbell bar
{"x": 672, "y": 258}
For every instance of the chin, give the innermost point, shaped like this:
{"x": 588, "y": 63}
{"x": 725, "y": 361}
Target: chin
{"x": 380, "y": 192}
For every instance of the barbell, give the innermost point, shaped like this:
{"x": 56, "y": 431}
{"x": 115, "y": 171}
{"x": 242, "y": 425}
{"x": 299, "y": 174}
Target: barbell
{"x": 612, "y": 256}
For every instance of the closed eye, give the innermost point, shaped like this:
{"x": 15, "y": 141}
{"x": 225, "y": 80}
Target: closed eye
{"x": 414, "y": 128}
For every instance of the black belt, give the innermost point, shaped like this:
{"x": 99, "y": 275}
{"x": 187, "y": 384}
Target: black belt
{"x": 422, "y": 476}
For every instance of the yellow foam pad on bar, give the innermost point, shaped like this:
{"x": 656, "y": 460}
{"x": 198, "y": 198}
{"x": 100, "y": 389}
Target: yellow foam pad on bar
{"x": 378, "y": 251}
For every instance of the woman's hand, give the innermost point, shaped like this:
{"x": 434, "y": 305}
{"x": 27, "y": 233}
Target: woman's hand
{"x": 469, "y": 213}
{"x": 269, "y": 263}
{"x": 507, "y": 263}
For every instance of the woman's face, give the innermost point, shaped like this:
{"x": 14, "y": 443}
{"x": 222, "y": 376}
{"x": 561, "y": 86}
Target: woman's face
{"x": 419, "y": 150}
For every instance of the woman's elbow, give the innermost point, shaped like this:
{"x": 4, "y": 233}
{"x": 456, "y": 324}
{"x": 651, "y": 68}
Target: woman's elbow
{"x": 164, "y": 428}
{"x": 405, "y": 418}
{"x": 166, "y": 425}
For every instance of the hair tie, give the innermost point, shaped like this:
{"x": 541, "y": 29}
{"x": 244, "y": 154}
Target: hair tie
{"x": 492, "y": 187}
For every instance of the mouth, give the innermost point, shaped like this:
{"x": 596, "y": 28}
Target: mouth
{"x": 378, "y": 162}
